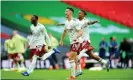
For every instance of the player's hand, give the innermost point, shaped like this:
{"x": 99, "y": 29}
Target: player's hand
{"x": 58, "y": 25}
{"x": 49, "y": 47}
{"x": 96, "y": 21}
{"x": 61, "y": 43}
{"x": 61, "y": 24}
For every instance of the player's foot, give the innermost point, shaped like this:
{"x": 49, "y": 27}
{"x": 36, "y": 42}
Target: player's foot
{"x": 107, "y": 66}
{"x": 19, "y": 70}
{"x": 71, "y": 78}
{"x": 78, "y": 74}
{"x": 56, "y": 50}
{"x": 25, "y": 73}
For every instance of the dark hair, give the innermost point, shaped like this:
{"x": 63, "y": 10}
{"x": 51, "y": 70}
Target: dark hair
{"x": 11, "y": 36}
{"x": 124, "y": 39}
{"x": 111, "y": 38}
{"x": 36, "y": 16}
{"x": 84, "y": 12}
{"x": 71, "y": 9}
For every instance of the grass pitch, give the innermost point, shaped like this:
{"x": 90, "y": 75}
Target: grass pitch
{"x": 114, "y": 74}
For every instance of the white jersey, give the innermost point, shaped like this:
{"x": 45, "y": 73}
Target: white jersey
{"x": 83, "y": 24}
{"x": 72, "y": 28}
{"x": 38, "y": 35}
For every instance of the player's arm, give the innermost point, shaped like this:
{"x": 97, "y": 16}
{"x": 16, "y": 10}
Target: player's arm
{"x": 28, "y": 41}
{"x": 80, "y": 33}
{"x": 62, "y": 37}
{"x": 89, "y": 23}
{"x": 93, "y": 22}
{"x": 11, "y": 45}
{"x": 24, "y": 40}
{"x": 47, "y": 38}
{"x": 60, "y": 24}
{"x": 116, "y": 45}
{"x": 121, "y": 47}
{"x": 5, "y": 45}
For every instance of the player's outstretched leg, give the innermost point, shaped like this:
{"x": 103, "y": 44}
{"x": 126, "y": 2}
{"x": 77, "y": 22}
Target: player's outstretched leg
{"x": 46, "y": 55}
{"x": 100, "y": 60}
{"x": 31, "y": 67}
{"x": 90, "y": 54}
{"x": 79, "y": 70}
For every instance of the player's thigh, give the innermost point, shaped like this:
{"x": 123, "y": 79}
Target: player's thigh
{"x": 86, "y": 46}
{"x": 10, "y": 56}
{"x": 16, "y": 57}
{"x": 41, "y": 50}
{"x": 73, "y": 55}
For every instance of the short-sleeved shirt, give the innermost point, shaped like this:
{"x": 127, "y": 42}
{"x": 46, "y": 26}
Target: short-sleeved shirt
{"x": 19, "y": 42}
{"x": 83, "y": 24}
{"x": 38, "y": 35}
{"x": 72, "y": 28}
{"x": 9, "y": 46}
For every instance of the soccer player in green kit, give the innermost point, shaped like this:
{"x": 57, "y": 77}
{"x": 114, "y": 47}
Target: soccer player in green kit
{"x": 20, "y": 46}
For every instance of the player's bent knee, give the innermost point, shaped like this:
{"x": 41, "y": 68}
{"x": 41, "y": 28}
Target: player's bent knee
{"x": 72, "y": 56}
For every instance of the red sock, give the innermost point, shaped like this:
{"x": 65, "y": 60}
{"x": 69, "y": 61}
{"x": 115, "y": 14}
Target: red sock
{"x": 12, "y": 64}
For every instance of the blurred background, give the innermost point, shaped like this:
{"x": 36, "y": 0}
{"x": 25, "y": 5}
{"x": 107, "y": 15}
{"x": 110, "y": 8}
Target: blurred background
{"x": 115, "y": 25}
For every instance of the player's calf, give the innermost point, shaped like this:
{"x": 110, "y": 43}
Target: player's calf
{"x": 72, "y": 60}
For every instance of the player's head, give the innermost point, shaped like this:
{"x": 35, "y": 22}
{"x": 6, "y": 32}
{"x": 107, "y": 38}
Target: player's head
{"x": 103, "y": 39}
{"x": 114, "y": 38}
{"x": 69, "y": 11}
{"x": 125, "y": 39}
{"x": 111, "y": 38}
{"x": 34, "y": 19}
{"x": 82, "y": 14}
{"x": 14, "y": 32}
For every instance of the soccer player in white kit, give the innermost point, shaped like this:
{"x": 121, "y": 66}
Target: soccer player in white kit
{"x": 85, "y": 45}
{"x": 73, "y": 29}
{"x": 38, "y": 43}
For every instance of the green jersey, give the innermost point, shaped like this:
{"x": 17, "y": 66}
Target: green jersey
{"x": 9, "y": 46}
{"x": 19, "y": 42}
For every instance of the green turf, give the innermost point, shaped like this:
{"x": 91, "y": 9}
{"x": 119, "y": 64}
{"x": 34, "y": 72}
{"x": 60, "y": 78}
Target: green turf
{"x": 115, "y": 74}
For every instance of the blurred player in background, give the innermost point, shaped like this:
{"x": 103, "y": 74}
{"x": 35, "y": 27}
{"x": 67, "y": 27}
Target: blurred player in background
{"x": 125, "y": 53}
{"x": 113, "y": 47}
{"x": 131, "y": 42}
{"x": 20, "y": 46}
{"x": 10, "y": 48}
{"x": 102, "y": 48}
{"x": 38, "y": 44}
